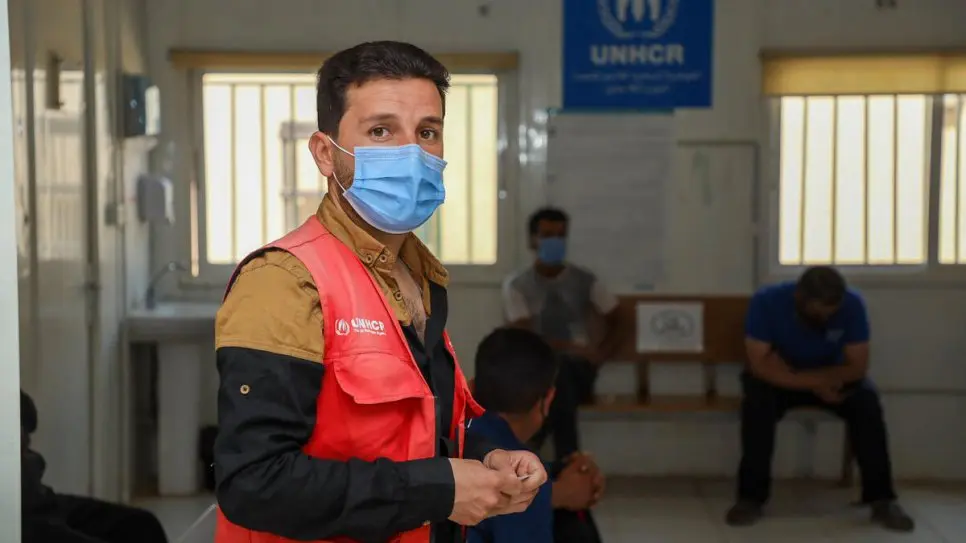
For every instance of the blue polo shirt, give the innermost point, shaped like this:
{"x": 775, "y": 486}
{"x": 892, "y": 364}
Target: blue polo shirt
{"x": 772, "y": 318}
{"x": 535, "y": 525}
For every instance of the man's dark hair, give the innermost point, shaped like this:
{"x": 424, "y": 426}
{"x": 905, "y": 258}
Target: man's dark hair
{"x": 368, "y": 62}
{"x": 515, "y": 369}
{"x": 551, "y": 214}
{"x": 822, "y": 284}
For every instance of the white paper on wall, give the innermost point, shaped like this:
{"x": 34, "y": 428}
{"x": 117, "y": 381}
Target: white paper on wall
{"x": 670, "y": 327}
{"x": 610, "y": 173}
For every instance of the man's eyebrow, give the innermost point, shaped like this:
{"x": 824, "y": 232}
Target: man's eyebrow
{"x": 379, "y": 117}
{"x": 387, "y": 117}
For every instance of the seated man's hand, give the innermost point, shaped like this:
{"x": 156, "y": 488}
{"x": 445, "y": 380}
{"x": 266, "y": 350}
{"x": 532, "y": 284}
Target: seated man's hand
{"x": 525, "y": 468}
{"x": 829, "y": 389}
{"x": 587, "y": 352}
{"x": 594, "y": 356}
{"x": 566, "y": 346}
{"x": 586, "y": 464}
{"x": 574, "y": 489}
{"x": 830, "y": 395}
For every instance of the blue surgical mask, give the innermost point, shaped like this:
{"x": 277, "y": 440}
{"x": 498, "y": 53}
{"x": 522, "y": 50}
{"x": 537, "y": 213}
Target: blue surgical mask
{"x": 395, "y": 189}
{"x": 552, "y": 250}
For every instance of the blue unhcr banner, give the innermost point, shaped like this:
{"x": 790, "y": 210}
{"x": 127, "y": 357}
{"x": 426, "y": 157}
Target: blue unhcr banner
{"x": 637, "y": 54}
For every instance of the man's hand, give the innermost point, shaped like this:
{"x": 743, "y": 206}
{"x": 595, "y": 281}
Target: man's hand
{"x": 591, "y": 354}
{"x": 574, "y": 489}
{"x": 526, "y": 469}
{"x": 828, "y": 389}
{"x": 829, "y": 394}
{"x": 480, "y": 492}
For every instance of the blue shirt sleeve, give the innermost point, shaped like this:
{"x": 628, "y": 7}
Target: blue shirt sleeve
{"x": 480, "y": 533}
{"x": 757, "y": 322}
{"x": 857, "y": 321}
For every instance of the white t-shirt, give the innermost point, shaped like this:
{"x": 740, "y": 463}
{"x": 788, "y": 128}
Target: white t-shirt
{"x": 559, "y": 306}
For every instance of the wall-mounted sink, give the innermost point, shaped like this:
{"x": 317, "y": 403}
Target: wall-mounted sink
{"x": 172, "y": 320}
{"x": 183, "y": 333}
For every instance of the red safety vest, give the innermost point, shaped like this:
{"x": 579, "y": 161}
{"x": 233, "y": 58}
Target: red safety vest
{"x": 374, "y": 402}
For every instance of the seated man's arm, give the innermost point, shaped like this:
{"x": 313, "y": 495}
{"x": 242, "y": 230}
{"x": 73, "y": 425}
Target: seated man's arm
{"x": 518, "y": 315}
{"x": 515, "y": 307}
{"x": 606, "y": 304}
{"x": 855, "y": 354}
{"x": 269, "y": 352}
{"x": 763, "y": 360}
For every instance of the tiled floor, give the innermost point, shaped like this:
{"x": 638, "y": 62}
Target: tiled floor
{"x": 643, "y": 511}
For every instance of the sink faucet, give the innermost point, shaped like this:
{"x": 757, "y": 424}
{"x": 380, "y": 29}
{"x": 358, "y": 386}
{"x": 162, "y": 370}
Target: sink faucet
{"x": 150, "y": 297}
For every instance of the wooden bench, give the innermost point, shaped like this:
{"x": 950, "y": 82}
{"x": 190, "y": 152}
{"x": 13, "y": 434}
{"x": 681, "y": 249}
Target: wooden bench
{"x": 723, "y": 343}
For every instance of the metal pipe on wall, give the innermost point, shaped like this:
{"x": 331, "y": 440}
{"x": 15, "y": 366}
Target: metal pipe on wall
{"x": 92, "y": 280}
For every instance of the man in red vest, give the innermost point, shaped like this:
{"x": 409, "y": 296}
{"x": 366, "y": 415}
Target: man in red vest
{"x": 341, "y": 406}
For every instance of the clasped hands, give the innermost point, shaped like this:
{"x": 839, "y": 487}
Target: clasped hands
{"x": 580, "y": 485}
{"x": 505, "y": 482}
{"x": 828, "y": 388}
{"x": 587, "y": 352}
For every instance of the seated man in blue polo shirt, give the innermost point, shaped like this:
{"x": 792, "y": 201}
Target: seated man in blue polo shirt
{"x": 808, "y": 345}
{"x": 515, "y": 373}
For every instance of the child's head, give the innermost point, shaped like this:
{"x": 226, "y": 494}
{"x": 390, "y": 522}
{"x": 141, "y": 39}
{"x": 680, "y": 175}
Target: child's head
{"x": 515, "y": 374}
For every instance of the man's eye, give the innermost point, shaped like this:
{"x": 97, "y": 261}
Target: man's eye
{"x": 379, "y": 132}
{"x": 428, "y": 134}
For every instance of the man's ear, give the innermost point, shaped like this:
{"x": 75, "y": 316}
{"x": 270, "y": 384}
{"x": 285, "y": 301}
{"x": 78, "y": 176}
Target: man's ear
{"x": 533, "y": 242}
{"x": 322, "y": 150}
{"x": 549, "y": 400}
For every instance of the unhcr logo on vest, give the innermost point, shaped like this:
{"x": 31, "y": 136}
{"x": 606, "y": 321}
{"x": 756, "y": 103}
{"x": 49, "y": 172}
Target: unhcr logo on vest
{"x": 637, "y": 20}
{"x": 341, "y": 327}
{"x": 360, "y": 325}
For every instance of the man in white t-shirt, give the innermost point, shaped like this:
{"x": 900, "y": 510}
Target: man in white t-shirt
{"x": 558, "y": 300}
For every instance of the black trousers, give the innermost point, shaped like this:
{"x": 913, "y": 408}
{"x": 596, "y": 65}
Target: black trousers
{"x": 71, "y": 519}
{"x": 575, "y": 386}
{"x": 764, "y": 405}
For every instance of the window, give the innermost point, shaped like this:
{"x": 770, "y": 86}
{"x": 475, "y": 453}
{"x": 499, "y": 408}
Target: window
{"x": 854, "y": 177}
{"x": 856, "y": 174}
{"x": 871, "y": 160}
{"x": 259, "y": 180}
{"x": 952, "y": 212}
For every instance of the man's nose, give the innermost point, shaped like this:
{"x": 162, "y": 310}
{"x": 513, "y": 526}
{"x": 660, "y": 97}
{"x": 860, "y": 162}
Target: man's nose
{"x": 407, "y": 137}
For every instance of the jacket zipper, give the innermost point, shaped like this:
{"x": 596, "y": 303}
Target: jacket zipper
{"x": 436, "y": 453}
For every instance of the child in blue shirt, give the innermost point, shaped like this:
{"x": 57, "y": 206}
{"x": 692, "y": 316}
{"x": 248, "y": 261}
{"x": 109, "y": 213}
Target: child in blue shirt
{"x": 515, "y": 374}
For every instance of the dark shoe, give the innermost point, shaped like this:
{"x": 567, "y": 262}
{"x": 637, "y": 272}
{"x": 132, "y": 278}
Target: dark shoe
{"x": 743, "y": 514}
{"x": 892, "y": 517}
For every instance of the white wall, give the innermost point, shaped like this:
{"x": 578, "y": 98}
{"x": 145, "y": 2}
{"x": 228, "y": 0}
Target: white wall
{"x": 917, "y": 337}
{"x": 123, "y": 248}
{"x": 10, "y": 504}
{"x": 76, "y": 394}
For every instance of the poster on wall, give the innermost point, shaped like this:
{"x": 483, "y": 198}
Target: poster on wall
{"x": 637, "y": 54}
{"x": 670, "y": 327}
